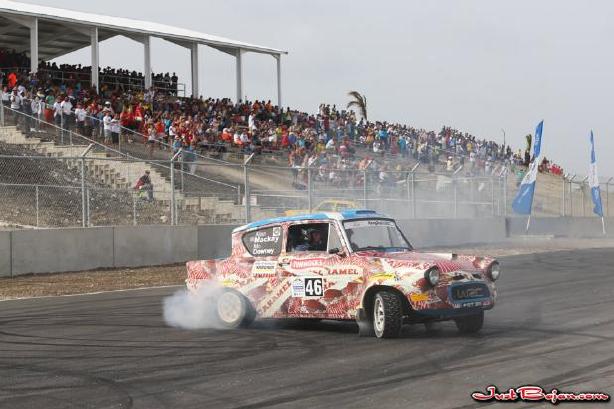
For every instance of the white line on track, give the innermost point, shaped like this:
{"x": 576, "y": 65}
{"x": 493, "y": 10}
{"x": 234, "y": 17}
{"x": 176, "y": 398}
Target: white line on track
{"x": 94, "y": 293}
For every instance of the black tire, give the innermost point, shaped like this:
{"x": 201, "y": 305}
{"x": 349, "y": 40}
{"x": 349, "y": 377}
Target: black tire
{"x": 387, "y": 315}
{"x": 233, "y": 310}
{"x": 470, "y": 324}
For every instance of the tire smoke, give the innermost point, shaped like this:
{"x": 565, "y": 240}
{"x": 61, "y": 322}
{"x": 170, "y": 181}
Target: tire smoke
{"x": 193, "y": 310}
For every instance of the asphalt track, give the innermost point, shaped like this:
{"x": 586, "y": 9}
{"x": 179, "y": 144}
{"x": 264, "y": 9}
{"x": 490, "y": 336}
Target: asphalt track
{"x": 553, "y": 326}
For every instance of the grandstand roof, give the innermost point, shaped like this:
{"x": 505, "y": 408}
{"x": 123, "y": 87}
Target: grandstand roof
{"x": 59, "y": 31}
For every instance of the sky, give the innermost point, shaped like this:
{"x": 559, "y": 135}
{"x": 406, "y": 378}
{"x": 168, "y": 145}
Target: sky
{"x": 482, "y": 66}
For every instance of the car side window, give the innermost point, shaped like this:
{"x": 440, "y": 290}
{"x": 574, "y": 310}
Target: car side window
{"x": 264, "y": 242}
{"x": 307, "y": 237}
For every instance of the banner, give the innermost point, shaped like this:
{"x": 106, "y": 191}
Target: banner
{"x": 523, "y": 202}
{"x": 593, "y": 181}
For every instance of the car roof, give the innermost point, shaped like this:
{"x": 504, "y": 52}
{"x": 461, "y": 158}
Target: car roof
{"x": 343, "y": 215}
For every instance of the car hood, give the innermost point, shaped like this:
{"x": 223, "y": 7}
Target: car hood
{"x": 446, "y": 262}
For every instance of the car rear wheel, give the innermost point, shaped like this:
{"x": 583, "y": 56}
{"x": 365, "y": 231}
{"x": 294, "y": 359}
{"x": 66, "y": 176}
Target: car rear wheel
{"x": 234, "y": 310}
{"x": 470, "y": 324}
{"x": 387, "y": 315}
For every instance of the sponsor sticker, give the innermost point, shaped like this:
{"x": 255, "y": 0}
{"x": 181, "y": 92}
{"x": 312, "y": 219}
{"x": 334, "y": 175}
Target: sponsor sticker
{"x": 418, "y": 297}
{"x": 264, "y": 268}
{"x": 357, "y": 224}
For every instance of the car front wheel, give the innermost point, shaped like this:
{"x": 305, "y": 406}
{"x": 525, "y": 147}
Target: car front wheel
{"x": 387, "y": 315}
{"x": 470, "y": 324}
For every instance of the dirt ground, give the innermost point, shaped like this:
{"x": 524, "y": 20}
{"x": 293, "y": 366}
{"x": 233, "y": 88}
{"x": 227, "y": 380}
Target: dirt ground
{"x": 38, "y": 285}
{"x": 130, "y": 278}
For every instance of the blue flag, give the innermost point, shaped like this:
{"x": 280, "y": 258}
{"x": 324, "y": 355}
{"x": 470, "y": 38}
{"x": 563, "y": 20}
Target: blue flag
{"x": 523, "y": 202}
{"x": 593, "y": 181}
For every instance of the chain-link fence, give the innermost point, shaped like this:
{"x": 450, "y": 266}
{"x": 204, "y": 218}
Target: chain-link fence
{"x": 52, "y": 176}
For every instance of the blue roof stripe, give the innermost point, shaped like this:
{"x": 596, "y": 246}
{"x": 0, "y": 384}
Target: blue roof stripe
{"x": 345, "y": 215}
{"x": 317, "y": 216}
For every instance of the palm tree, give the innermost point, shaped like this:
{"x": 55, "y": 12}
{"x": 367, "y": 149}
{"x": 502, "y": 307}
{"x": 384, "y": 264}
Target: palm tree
{"x": 359, "y": 101}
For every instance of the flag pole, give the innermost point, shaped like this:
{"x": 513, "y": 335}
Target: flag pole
{"x": 603, "y": 225}
{"x": 528, "y": 224}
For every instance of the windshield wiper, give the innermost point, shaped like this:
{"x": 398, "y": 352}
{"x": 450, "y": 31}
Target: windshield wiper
{"x": 382, "y": 248}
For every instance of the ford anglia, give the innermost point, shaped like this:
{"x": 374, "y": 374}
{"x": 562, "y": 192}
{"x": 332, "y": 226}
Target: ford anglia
{"x": 353, "y": 265}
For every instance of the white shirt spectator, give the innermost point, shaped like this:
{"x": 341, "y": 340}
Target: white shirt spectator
{"x": 57, "y": 109}
{"x": 81, "y": 114}
{"x": 15, "y": 101}
{"x": 107, "y": 122}
{"x": 115, "y": 127}
{"x": 66, "y": 107}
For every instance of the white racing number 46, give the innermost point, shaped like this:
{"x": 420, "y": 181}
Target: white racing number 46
{"x": 314, "y": 287}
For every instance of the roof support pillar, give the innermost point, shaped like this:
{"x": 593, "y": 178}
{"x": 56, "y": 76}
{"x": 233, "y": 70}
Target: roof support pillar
{"x": 147, "y": 55}
{"x": 195, "y": 71}
{"x": 95, "y": 56}
{"x": 34, "y": 45}
{"x": 278, "y": 58}
{"x": 239, "y": 54}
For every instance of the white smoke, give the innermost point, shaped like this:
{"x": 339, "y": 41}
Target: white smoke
{"x": 193, "y": 310}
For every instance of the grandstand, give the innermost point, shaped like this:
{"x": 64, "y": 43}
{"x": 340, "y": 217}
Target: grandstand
{"x": 137, "y": 122}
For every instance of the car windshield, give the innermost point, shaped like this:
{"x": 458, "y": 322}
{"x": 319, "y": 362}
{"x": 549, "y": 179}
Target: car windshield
{"x": 375, "y": 234}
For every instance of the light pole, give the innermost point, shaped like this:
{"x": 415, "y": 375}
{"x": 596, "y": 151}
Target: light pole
{"x": 503, "y": 130}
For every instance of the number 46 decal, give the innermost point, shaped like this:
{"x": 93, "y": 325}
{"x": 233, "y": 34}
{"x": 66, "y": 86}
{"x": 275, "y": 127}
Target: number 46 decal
{"x": 314, "y": 287}
{"x": 308, "y": 287}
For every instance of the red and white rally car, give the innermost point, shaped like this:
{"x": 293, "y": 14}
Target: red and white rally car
{"x": 353, "y": 265}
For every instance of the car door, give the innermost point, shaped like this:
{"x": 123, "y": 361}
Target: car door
{"x": 310, "y": 272}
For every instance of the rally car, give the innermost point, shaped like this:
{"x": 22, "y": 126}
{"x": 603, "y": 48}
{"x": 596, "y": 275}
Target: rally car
{"x": 352, "y": 265}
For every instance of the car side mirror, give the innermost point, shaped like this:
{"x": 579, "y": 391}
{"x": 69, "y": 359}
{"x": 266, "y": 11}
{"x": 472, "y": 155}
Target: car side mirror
{"x": 335, "y": 251}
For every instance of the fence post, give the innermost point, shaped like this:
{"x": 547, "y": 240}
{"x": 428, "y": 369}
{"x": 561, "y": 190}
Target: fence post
{"x": 89, "y": 217}
{"x": 583, "y": 199}
{"x": 134, "y": 223}
{"x": 309, "y": 190}
{"x": 364, "y": 188}
{"x": 570, "y": 198}
{"x": 172, "y": 191}
{"x": 238, "y": 196}
{"x": 83, "y": 205}
{"x": 248, "y": 209}
{"x": 454, "y": 183}
{"x": 37, "y": 213}
{"x": 505, "y": 195}
{"x": 413, "y": 195}
{"x": 83, "y": 193}
{"x": 1, "y": 106}
{"x": 607, "y": 197}
{"x": 182, "y": 171}
{"x": 492, "y": 195}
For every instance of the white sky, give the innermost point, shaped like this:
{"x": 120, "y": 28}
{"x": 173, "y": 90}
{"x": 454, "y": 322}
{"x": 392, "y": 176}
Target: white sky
{"x": 478, "y": 65}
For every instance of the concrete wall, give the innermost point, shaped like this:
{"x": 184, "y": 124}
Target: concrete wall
{"x": 5, "y": 253}
{"x": 49, "y": 251}
{"x": 447, "y": 232}
{"x": 154, "y": 245}
{"x": 559, "y": 226}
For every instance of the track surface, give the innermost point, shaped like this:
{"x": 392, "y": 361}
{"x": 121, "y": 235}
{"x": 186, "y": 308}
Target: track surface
{"x": 553, "y": 326}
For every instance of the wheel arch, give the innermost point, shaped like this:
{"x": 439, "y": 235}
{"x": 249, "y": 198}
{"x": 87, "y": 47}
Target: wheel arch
{"x": 369, "y": 296}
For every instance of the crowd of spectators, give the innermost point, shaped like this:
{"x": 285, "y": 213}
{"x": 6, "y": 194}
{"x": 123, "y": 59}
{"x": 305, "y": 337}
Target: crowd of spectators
{"x": 333, "y": 141}
{"x": 77, "y": 76}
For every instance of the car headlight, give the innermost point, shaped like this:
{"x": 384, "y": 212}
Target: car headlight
{"x": 494, "y": 271}
{"x": 432, "y": 276}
